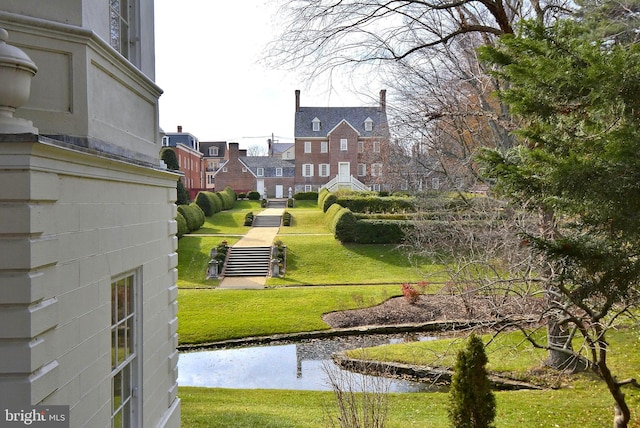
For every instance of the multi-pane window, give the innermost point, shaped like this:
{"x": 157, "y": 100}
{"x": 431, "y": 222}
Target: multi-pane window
{"x": 376, "y": 146}
{"x": 213, "y": 151}
{"x": 278, "y": 172}
{"x": 360, "y": 147}
{"x": 343, "y": 144}
{"x": 260, "y": 172}
{"x": 368, "y": 124}
{"x": 307, "y": 146}
{"x": 376, "y": 187}
{"x": 376, "y": 169}
{"x": 362, "y": 170}
{"x": 119, "y": 26}
{"x": 123, "y": 351}
{"x": 323, "y": 170}
{"x": 324, "y": 147}
{"x": 315, "y": 124}
{"x": 307, "y": 188}
{"x": 307, "y": 170}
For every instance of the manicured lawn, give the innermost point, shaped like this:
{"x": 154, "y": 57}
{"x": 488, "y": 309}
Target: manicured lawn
{"x": 230, "y": 222}
{"x": 313, "y": 259}
{"x": 306, "y": 218}
{"x": 212, "y": 315}
{"x": 193, "y": 258}
{"x": 586, "y": 405}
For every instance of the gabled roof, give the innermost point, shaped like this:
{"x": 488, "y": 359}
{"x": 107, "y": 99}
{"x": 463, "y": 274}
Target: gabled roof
{"x": 330, "y": 117}
{"x": 269, "y": 164}
{"x": 340, "y": 123}
{"x": 277, "y": 148}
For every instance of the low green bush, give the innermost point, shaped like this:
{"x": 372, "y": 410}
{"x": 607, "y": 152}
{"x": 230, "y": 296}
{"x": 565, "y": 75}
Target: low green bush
{"x": 254, "y": 195}
{"x": 204, "y": 202}
{"x": 242, "y": 195}
{"x": 344, "y": 225}
{"x": 321, "y": 197}
{"x": 290, "y": 203}
{"x": 329, "y": 200}
{"x": 306, "y": 196}
{"x": 380, "y": 231}
{"x": 193, "y": 215}
{"x": 182, "y": 225}
{"x": 248, "y": 219}
{"x": 376, "y": 204}
{"x": 286, "y": 218}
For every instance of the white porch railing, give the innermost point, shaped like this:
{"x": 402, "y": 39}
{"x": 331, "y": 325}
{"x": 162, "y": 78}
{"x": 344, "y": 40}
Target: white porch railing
{"x": 353, "y": 183}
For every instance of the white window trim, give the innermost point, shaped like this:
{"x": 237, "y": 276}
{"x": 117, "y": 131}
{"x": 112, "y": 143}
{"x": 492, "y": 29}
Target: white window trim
{"x": 307, "y": 167}
{"x": 307, "y": 188}
{"x": 324, "y": 147}
{"x": 278, "y": 172}
{"x": 260, "y": 172}
{"x": 376, "y": 147}
{"x": 344, "y": 144}
{"x": 315, "y": 124}
{"x": 376, "y": 169}
{"x": 360, "y": 147}
{"x": 307, "y": 146}
{"x": 368, "y": 124}
{"x": 327, "y": 170}
{"x": 362, "y": 169}
{"x": 133, "y": 360}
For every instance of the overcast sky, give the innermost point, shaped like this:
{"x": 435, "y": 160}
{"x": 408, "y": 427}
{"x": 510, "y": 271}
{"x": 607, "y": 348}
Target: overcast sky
{"x": 207, "y": 63}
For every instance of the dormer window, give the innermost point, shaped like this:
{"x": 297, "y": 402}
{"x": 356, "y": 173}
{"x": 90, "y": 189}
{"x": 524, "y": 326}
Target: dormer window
{"x": 368, "y": 124}
{"x": 213, "y": 151}
{"x": 260, "y": 172}
{"x": 315, "y": 124}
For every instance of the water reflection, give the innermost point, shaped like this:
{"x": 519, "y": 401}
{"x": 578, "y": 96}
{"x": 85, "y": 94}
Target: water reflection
{"x": 299, "y": 366}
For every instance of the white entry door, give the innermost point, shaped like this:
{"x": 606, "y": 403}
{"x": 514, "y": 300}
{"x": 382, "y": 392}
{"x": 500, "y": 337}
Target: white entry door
{"x": 279, "y": 191}
{"x": 260, "y": 187}
{"x": 344, "y": 172}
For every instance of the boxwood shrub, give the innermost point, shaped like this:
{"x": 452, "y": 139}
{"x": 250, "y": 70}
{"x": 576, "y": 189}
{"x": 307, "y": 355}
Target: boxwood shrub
{"x": 204, "y": 202}
{"x": 182, "y": 225}
{"x": 254, "y": 195}
{"x": 248, "y": 219}
{"x": 306, "y": 196}
{"x": 193, "y": 215}
{"x": 380, "y": 231}
{"x": 286, "y": 218}
{"x": 376, "y": 204}
{"x": 344, "y": 225}
{"x": 321, "y": 197}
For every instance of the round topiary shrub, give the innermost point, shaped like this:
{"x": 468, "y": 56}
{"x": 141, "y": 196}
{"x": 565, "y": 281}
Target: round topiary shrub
{"x": 182, "y": 225}
{"x": 253, "y": 195}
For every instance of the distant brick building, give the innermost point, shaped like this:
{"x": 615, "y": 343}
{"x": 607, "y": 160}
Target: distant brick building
{"x": 341, "y": 147}
{"x": 187, "y": 149}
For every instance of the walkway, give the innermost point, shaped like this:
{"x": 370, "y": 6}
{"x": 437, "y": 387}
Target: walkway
{"x": 255, "y": 237}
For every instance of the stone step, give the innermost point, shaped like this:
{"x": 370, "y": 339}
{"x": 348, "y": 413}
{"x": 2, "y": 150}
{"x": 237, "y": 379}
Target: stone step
{"x": 276, "y": 204}
{"x": 267, "y": 221}
{"x": 248, "y": 261}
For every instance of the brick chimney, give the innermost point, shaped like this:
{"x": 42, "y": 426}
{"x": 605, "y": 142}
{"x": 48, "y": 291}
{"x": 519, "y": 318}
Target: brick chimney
{"x": 242, "y": 152}
{"x": 234, "y": 151}
{"x": 180, "y": 128}
{"x": 383, "y": 100}
{"x": 297, "y": 100}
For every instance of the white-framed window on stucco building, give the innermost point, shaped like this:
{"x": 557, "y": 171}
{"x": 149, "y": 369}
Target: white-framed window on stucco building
{"x": 124, "y": 29}
{"x": 125, "y": 340}
{"x": 307, "y": 170}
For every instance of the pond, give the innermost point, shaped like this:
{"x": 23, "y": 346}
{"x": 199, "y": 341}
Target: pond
{"x": 298, "y": 366}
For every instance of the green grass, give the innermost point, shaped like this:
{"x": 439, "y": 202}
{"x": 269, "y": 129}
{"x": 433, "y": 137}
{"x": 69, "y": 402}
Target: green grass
{"x": 324, "y": 260}
{"x": 193, "y": 258}
{"x": 307, "y": 218}
{"x": 586, "y": 405}
{"x": 213, "y": 315}
{"x": 230, "y": 222}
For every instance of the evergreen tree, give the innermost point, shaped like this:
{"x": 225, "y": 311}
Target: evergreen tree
{"x": 579, "y": 101}
{"x": 473, "y": 404}
{"x": 170, "y": 159}
{"x": 183, "y": 195}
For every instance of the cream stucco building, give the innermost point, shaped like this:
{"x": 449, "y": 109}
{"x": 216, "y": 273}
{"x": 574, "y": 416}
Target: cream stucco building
{"x": 88, "y": 312}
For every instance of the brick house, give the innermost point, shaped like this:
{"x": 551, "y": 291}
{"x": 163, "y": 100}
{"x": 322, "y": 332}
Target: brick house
{"x": 187, "y": 149}
{"x": 341, "y": 147}
{"x": 214, "y": 154}
{"x": 268, "y": 175}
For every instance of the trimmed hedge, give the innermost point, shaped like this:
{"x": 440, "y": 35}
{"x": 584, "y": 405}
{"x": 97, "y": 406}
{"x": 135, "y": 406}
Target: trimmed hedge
{"x": 381, "y": 231}
{"x": 228, "y": 198}
{"x": 193, "y": 215}
{"x": 204, "y": 202}
{"x": 254, "y": 195}
{"x": 321, "y": 197}
{"x": 248, "y": 219}
{"x": 329, "y": 200}
{"x": 306, "y": 196}
{"x": 182, "y": 225}
{"x": 341, "y": 222}
{"x": 214, "y": 202}
{"x": 376, "y": 204}
{"x": 286, "y": 218}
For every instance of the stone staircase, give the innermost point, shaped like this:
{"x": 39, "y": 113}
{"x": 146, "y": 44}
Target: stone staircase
{"x": 247, "y": 261}
{"x": 267, "y": 221}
